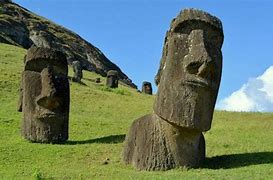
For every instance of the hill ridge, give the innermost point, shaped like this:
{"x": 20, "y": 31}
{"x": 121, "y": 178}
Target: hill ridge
{"x": 21, "y": 27}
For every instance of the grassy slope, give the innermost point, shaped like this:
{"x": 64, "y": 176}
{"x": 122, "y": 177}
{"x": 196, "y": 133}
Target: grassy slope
{"x": 239, "y": 145}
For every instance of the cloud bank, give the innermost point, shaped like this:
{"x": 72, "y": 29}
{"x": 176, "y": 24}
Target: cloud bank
{"x": 255, "y": 95}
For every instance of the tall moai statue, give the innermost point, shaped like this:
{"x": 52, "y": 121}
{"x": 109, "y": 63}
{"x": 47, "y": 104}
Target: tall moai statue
{"x": 147, "y": 88}
{"x": 188, "y": 82}
{"x": 45, "y": 96}
{"x": 112, "y": 79}
{"x": 77, "y": 68}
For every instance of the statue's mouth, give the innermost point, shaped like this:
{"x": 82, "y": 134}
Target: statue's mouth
{"x": 47, "y": 115}
{"x": 201, "y": 84}
{"x": 198, "y": 82}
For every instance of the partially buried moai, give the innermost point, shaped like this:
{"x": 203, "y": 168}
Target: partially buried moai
{"x": 147, "y": 88}
{"x": 45, "y": 96}
{"x": 188, "y": 82}
{"x": 77, "y": 68}
{"x": 112, "y": 79}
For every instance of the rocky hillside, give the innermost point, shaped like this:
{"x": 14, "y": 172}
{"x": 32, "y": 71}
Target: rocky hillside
{"x": 20, "y": 27}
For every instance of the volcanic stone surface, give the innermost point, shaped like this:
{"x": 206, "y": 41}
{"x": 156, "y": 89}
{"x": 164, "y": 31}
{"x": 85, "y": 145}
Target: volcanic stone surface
{"x": 188, "y": 81}
{"x": 77, "y": 69}
{"x": 45, "y": 96}
{"x": 147, "y": 88}
{"x": 112, "y": 79}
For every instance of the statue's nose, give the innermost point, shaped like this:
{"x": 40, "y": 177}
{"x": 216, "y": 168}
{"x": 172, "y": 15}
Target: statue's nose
{"x": 200, "y": 62}
{"x": 48, "y": 98}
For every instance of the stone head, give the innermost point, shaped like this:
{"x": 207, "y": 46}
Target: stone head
{"x": 45, "y": 97}
{"x": 77, "y": 68}
{"x": 147, "y": 87}
{"x": 190, "y": 72}
{"x": 112, "y": 79}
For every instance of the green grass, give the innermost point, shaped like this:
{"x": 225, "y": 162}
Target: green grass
{"x": 239, "y": 145}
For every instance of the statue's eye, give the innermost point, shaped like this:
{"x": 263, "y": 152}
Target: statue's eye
{"x": 193, "y": 67}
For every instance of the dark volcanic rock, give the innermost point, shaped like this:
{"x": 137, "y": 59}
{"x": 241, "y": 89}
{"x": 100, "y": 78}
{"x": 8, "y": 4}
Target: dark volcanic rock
{"x": 97, "y": 80}
{"x": 192, "y": 70}
{"x": 154, "y": 144}
{"x": 188, "y": 81}
{"x": 45, "y": 96}
{"x": 20, "y": 27}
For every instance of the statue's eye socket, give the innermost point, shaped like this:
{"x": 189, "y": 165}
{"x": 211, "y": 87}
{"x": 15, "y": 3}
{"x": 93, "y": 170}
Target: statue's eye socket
{"x": 193, "y": 67}
{"x": 213, "y": 39}
{"x": 58, "y": 70}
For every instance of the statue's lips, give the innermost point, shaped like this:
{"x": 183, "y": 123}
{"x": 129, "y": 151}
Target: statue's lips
{"x": 198, "y": 83}
{"x": 47, "y": 115}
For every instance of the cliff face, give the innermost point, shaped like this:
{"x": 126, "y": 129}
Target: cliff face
{"x": 20, "y": 27}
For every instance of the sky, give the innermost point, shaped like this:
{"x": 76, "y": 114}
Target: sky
{"x": 131, "y": 34}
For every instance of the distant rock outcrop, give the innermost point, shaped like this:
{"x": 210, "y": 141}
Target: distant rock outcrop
{"x": 20, "y": 27}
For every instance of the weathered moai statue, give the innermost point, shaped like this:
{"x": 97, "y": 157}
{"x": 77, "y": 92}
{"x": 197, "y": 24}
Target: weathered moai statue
{"x": 45, "y": 96}
{"x": 147, "y": 88}
{"x": 112, "y": 79}
{"x": 77, "y": 68}
{"x": 188, "y": 83}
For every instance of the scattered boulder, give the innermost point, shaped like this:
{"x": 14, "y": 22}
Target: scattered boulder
{"x": 112, "y": 79}
{"x": 188, "y": 82}
{"x": 147, "y": 88}
{"x": 45, "y": 96}
{"x": 97, "y": 80}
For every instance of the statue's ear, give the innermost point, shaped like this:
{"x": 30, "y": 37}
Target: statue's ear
{"x": 163, "y": 59}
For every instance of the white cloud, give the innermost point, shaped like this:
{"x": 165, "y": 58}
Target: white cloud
{"x": 255, "y": 95}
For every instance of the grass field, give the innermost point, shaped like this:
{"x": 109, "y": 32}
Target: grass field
{"x": 239, "y": 145}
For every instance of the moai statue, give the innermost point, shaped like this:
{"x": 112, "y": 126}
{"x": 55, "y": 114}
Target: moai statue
{"x": 112, "y": 79}
{"x": 147, "y": 88}
{"x": 188, "y": 84}
{"x": 77, "y": 68}
{"x": 45, "y": 96}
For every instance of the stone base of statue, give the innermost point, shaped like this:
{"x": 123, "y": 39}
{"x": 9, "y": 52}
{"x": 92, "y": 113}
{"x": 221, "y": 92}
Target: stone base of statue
{"x": 154, "y": 144}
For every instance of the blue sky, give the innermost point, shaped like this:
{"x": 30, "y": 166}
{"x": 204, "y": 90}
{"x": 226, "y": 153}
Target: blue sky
{"x": 131, "y": 34}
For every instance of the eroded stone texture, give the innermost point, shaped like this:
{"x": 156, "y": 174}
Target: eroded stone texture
{"x": 112, "y": 79}
{"x": 45, "y": 96}
{"x": 147, "y": 88}
{"x": 77, "y": 68}
{"x": 188, "y": 81}
{"x": 155, "y": 144}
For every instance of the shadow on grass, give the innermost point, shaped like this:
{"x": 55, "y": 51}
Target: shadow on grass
{"x": 113, "y": 139}
{"x": 238, "y": 160}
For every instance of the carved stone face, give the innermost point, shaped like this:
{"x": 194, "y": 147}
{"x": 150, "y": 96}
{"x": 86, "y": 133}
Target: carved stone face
{"x": 191, "y": 72}
{"x": 147, "y": 87}
{"x": 112, "y": 79}
{"x": 45, "y": 96}
{"x": 77, "y": 68}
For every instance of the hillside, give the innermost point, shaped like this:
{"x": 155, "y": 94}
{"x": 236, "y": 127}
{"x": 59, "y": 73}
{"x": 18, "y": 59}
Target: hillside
{"x": 239, "y": 145}
{"x": 20, "y": 27}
